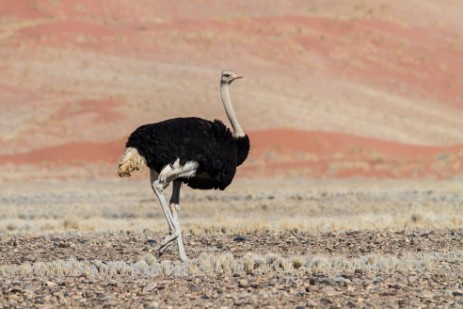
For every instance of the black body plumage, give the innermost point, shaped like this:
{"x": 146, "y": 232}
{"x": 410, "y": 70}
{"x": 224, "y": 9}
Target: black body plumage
{"x": 210, "y": 143}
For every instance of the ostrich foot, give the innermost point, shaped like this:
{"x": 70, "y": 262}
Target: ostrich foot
{"x": 167, "y": 242}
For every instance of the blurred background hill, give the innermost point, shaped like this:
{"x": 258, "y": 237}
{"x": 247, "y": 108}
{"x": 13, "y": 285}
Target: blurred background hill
{"x": 332, "y": 89}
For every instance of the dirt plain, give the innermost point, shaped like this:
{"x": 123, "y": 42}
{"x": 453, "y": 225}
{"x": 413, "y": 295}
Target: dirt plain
{"x": 263, "y": 243}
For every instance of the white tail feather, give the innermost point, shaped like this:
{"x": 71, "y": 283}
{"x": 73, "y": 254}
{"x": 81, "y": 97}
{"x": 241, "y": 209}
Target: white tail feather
{"x": 131, "y": 161}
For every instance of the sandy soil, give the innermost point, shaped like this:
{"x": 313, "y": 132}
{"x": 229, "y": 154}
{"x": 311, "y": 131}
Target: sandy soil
{"x": 266, "y": 243}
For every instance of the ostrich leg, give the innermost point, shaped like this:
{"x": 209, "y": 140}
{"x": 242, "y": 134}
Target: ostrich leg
{"x": 174, "y": 206}
{"x": 158, "y": 189}
{"x": 170, "y": 173}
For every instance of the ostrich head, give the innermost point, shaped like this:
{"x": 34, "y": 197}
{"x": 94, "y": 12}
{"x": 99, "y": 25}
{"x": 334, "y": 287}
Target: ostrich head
{"x": 228, "y": 77}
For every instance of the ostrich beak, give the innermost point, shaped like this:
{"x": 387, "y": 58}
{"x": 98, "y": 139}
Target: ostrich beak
{"x": 237, "y": 77}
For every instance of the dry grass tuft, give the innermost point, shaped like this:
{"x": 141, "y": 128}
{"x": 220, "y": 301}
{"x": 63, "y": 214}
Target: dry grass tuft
{"x": 70, "y": 224}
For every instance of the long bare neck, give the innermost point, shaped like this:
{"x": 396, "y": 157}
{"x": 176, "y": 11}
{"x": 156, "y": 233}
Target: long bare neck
{"x": 227, "y": 104}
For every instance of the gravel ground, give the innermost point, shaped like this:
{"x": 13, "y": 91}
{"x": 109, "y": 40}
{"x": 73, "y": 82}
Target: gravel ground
{"x": 63, "y": 263}
{"x": 439, "y": 284}
{"x": 131, "y": 245}
{"x": 359, "y": 290}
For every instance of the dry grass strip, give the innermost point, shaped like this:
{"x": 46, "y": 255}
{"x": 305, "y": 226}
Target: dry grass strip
{"x": 226, "y": 263}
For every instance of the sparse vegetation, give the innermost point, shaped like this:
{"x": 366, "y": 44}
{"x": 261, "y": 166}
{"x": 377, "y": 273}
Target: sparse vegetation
{"x": 349, "y": 241}
{"x": 249, "y": 264}
{"x": 305, "y": 206}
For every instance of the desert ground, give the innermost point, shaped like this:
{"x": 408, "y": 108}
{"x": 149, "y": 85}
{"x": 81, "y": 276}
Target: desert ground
{"x": 352, "y": 192}
{"x": 262, "y": 243}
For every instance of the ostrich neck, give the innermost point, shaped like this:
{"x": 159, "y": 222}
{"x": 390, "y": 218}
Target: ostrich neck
{"x": 227, "y": 104}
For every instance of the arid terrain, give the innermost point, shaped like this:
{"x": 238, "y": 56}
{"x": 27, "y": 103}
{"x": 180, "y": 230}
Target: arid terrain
{"x": 352, "y": 193}
{"x": 267, "y": 243}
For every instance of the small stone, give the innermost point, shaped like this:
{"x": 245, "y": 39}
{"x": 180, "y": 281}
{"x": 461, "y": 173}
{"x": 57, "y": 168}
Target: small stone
{"x": 341, "y": 280}
{"x": 195, "y": 288}
{"x": 51, "y": 284}
{"x": 151, "y": 242}
{"x": 243, "y": 283}
{"x": 314, "y": 281}
{"x": 239, "y": 239}
{"x": 149, "y": 287}
{"x": 403, "y": 302}
{"x": 325, "y": 301}
{"x": 329, "y": 291}
{"x": 327, "y": 281}
{"x": 457, "y": 293}
{"x": 152, "y": 305}
{"x": 311, "y": 304}
{"x": 16, "y": 290}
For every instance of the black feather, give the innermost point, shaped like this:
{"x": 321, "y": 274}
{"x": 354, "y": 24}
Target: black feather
{"x": 210, "y": 143}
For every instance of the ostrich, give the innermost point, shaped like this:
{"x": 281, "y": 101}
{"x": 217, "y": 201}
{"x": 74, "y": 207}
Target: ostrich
{"x": 200, "y": 153}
